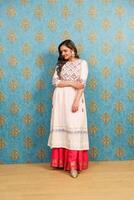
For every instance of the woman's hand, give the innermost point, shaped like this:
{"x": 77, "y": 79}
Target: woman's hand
{"x": 75, "y": 106}
{"x": 77, "y": 85}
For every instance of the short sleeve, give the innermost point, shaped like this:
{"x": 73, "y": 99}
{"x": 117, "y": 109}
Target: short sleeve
{"x": 55, "y": 79}
{"x": 84, "y": 72}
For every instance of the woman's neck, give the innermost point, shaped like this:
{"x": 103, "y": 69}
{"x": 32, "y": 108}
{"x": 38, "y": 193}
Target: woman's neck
{"x": 72, "y": 59}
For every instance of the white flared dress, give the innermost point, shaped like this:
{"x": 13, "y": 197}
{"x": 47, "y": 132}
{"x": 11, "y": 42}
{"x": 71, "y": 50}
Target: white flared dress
{"x": 69, "y": 129}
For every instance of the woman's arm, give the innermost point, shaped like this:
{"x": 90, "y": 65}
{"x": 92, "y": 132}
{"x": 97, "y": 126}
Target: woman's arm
{"x": 75, "y": 105}
{"x": 83, "y": 78}
{"x": 74, "y": 84}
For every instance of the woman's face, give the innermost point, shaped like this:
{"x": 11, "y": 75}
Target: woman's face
{"x": 66, "y": 52}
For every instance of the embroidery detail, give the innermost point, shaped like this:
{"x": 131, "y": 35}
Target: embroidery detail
{"x": 80, "y": 131}
{"x": 71, "y": 71}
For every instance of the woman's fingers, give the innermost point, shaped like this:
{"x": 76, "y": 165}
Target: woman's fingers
{"x": 74, "y": 108}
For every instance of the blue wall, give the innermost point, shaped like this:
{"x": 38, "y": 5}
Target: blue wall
{"x": 30, "y": 32}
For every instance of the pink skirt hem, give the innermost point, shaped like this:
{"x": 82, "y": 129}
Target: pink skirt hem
{"x": 69, "y": 159}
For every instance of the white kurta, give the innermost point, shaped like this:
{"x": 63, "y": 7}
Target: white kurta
{"x": 69, "y": 129}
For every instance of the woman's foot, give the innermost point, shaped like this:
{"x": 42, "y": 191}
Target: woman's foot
{"x": 74, "y": 173}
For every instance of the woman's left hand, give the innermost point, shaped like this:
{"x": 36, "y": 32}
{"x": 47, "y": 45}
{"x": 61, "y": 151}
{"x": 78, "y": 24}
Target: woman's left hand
{"x": 75, "y": 107}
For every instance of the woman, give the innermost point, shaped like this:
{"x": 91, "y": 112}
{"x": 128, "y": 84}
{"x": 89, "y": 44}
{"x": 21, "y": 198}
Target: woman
{"x": 68, "y": 135}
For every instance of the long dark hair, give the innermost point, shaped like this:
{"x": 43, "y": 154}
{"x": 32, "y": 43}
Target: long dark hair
{"x": 61, "y": 61}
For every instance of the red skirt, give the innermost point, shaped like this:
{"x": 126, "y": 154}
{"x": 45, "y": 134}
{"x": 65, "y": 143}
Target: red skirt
{"x": 69, "y": 159}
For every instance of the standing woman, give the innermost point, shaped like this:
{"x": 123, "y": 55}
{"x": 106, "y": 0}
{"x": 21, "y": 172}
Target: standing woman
{"x": 68, "y": 134}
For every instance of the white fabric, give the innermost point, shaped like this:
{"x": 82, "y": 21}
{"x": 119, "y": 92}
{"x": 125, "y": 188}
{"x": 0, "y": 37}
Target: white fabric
{"x": 68, "y": 129}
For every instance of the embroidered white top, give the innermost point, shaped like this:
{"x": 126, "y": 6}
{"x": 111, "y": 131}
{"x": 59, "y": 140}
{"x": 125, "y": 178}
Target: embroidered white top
{"x": 68, "y": 129}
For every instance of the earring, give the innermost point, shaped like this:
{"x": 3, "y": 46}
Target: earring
{"x": 73, "y": 54}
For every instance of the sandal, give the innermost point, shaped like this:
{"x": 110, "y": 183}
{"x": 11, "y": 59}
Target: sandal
{"x": 73, "y": 173}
